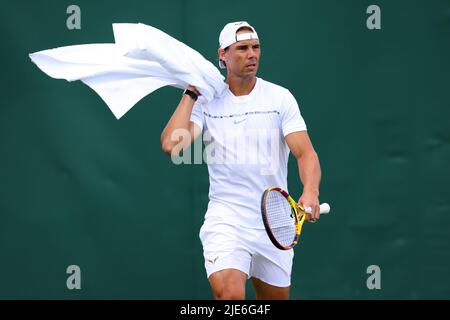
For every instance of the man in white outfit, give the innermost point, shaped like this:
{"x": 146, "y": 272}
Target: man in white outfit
{"x": 248, "y": 132}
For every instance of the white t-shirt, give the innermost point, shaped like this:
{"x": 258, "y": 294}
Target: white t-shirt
{"x": 245, "y": 149}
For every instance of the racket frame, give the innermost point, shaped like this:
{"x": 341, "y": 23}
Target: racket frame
{"x": 296, "y": 210}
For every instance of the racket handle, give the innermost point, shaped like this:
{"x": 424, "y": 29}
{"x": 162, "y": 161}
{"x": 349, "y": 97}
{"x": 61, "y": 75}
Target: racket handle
{"x": 325, "y": 208}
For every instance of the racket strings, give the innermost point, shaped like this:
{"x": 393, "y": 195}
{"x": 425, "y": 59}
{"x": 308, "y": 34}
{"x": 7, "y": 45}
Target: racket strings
{"x": 280, "y": 217}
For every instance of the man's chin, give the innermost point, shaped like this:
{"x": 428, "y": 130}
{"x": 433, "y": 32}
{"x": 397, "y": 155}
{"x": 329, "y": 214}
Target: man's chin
{"x": 250, "y": 73}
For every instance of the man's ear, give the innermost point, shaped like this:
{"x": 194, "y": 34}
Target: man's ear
{"x": 221, "y": 54}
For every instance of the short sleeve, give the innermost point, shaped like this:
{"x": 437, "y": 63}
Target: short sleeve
{"x": 197, "y": 113}
{"x": 291, "y": 119}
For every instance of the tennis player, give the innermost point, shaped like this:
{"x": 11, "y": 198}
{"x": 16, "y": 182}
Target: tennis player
{"x": 235, "y": 244}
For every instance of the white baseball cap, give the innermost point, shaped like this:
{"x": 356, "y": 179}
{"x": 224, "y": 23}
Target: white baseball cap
{"x": 228, "y": 36}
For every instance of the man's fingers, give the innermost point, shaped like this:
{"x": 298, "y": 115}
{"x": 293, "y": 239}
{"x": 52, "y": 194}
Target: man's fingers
{"x": 317, "y": 212}
{"x": 310, "y": 210}
{"x": 314, "y": 211}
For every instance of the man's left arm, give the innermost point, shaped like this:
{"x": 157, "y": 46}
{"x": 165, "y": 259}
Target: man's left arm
{"x": 309, "y": 169}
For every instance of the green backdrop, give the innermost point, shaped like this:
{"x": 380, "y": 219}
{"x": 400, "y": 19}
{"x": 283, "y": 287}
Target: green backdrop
{"x": 78, "y": 187}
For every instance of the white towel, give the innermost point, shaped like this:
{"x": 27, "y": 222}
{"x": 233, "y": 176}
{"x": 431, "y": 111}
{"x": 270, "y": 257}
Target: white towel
{"x": 142, "y": 60}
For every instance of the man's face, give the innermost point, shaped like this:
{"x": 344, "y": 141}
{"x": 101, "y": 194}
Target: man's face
{"x": 242, "y": 58}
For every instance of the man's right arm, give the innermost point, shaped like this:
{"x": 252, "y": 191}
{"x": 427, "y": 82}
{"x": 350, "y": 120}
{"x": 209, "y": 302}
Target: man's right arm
{"x": 180, "y": 131}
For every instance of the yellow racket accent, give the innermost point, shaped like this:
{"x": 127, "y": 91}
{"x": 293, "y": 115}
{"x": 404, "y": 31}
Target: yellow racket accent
{"x": 300, "y": 218}
{"x": 283, "y": 220}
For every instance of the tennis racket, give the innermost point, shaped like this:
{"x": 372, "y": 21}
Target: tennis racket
{"x": 283, "y": 218}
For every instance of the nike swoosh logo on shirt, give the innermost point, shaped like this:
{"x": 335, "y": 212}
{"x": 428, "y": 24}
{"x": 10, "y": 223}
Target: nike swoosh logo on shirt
{"x": 213, "y": 260}
{"x": 236, "y": 121}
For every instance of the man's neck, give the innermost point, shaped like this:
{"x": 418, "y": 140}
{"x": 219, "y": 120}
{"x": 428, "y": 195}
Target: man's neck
{"x": 241, "y": 86}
